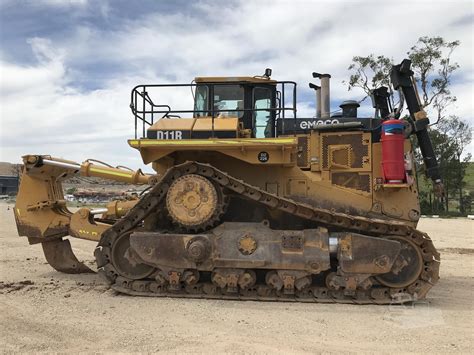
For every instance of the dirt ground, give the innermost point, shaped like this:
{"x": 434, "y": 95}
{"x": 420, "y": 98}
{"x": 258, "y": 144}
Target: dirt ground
{"x": 46, "y": 311}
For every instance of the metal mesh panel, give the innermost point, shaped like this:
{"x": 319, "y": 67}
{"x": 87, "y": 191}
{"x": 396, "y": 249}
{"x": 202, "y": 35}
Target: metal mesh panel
{"x": 302, "y": 157}
{"x": 340, "y": 156}
{"x": 354, "y": 181}
{"x": 359, "y": 150}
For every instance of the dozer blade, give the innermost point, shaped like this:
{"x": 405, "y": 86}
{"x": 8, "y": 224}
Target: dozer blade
{"x": 59, "y": 255}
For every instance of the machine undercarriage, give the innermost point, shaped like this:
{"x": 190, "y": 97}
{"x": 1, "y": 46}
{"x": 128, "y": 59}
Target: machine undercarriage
{"x": 341, "y": 258}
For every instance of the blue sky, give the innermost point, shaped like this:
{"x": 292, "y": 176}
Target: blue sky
{"x": 67, "y": 67}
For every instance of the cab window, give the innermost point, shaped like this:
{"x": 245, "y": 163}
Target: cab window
{"x": 262, "y": 98}
{"x": 200, "y": 101}
{"x": 228, "y": 97}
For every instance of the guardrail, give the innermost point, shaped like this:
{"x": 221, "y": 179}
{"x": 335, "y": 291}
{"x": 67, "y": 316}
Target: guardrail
{"x": 145, "y": 109}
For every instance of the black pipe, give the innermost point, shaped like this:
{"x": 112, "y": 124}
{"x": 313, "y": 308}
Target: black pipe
{"x": 380, "y": 99}
{"x": 401, "y": 76}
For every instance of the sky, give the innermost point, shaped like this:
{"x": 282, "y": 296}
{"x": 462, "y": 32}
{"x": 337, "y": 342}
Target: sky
{"x": 67, "y": 66}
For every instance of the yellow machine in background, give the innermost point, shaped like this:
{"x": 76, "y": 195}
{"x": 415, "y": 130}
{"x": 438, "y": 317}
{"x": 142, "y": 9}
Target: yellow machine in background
{"x": 249, "y": 201}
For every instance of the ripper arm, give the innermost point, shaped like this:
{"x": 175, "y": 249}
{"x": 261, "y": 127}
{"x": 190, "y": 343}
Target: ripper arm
{"x": 40, "y": 209}
{"x": 402, "y": 78}
{"x": 42, "y": 216}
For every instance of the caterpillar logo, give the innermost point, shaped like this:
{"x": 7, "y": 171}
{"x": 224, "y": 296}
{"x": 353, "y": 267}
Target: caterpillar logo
{"x": 313, "y": 124}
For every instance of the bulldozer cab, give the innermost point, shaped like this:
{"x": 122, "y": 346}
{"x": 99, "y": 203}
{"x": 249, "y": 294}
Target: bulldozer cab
{"x": 252, "y": 102}
{"x": 223, "y": 107}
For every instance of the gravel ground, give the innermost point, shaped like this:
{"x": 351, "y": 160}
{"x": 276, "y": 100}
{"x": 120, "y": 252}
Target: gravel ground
{"x": 46, "y": 311}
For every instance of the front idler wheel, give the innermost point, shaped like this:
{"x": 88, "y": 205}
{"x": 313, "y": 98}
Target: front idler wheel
{"x": 127, "y": 262}
{"x": 407, "y": 266}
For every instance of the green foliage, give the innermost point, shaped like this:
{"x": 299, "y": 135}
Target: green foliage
{"x": 431, "y": 63}
{"x": 433, "y": 69}
{"x": 469, "y": 178}
{"x": 71, "y": 191}
{"x": 449, "y": 138}
{"x": 370, "y": 72}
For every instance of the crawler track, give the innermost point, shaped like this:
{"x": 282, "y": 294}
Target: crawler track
{"x": 377, "y": 294}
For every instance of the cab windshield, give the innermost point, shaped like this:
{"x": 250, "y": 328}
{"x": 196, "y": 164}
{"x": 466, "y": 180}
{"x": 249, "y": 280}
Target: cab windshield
{"x": 228, "y": 97}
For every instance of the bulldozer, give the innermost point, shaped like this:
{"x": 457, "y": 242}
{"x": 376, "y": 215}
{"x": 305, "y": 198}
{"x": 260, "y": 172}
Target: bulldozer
{"x": 249, "y": 201}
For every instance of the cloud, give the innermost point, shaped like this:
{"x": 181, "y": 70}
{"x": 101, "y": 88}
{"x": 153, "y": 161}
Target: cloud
{"x": 66, "y": 90}
{"x": 32, "y": 80}
{"x": 64, "y": 2}
{"x": 41, "y": 113}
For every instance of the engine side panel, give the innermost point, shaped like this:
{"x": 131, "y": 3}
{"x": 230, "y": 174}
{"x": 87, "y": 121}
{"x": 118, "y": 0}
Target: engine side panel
{"x": 333, "y": 170}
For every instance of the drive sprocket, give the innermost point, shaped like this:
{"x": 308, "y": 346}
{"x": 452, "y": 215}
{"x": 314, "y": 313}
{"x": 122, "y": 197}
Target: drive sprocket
{"x": 194, "y": 203}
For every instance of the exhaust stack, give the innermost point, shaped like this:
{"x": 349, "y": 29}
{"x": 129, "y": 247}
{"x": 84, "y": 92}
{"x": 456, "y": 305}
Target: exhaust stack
{"x": 349, "y": 108}
{"x": 317, "y": 90}
{"x": 325, "y": 95}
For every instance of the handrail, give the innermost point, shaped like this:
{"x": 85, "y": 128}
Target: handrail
{"x": 140, "y": 93}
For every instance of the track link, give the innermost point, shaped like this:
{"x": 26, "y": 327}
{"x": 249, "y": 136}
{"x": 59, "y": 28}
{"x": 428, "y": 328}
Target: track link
{"x": 374, "y": 227}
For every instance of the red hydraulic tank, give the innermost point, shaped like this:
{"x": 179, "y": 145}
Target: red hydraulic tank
{"x": 393, "y": 159}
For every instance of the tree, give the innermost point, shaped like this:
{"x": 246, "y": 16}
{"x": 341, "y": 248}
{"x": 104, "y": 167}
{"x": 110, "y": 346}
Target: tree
{"x": 445, "y": 154}
{"x": 15, "y": 169}
{"x": 458, "y": 135}
{"x": 369, "y": 72}
{"x": 450, "y": 138}
{"x": 431, "y": 63}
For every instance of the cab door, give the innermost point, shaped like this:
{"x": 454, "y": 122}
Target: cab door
{"x": 263, "y": 118}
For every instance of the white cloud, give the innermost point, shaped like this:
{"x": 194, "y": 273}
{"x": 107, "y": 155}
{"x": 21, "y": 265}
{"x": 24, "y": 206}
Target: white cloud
{"x": 44, "y": 109}
{"x": 41, "y": 114}
{"x": 62, "y": 3}
{"x": 29, "y": 81}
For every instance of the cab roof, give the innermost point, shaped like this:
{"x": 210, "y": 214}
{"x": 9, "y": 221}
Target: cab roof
{"x": 233, "y": 79}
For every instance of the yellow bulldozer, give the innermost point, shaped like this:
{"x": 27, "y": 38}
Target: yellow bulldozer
{"x": 249, "y": 201}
